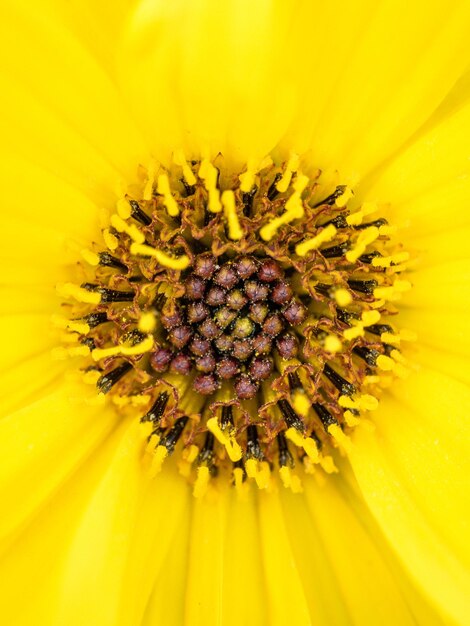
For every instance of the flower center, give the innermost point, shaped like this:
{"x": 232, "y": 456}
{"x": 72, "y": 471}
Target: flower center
{"x": 251, "y": 325}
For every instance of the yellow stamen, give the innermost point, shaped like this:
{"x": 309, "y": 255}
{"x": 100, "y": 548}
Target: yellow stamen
{"x": 307, "y": 443}
{"x": 385, "y": 363}
{"x": 159, "y": 456}
{"x": 130, "y": 229}
{"x": 301, "y": 402}
{"x": 123, "y": 209}
{"x": 74, "y": 326}
{"x": 294, "y": 210}
{"x": 208, "y": 173}
{"x": 202, "y": 481}
{"x": 180, "y": 159}
{"x": 148, "y": 189}
{"x": 386, "y": 261}
{"x": 342, "y": 439}
{"x": 355, "y": 219}
{"x": 163, "y": 188}
{"x": 174, "y": 263}
{"x": 247, "y": 179}
{"x": 61, "y": 353}
{"x": 110, "y": 240}
{"x": 290, "y": 480}
{"x": 141, "y": 348}
{"x": 365, "y": 238}
{"x": 226, "y": 438}
{"x": 342, "y": 200}
{"x": 314, "y": 243}
{"x": 235, "y": 231}
{"x": 69, "y": 290}
{"x": 90, "y": 257}
{"x": 292, "y": 166}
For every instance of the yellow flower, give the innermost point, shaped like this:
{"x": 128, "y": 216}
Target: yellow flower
{"x": 374, "y": 94}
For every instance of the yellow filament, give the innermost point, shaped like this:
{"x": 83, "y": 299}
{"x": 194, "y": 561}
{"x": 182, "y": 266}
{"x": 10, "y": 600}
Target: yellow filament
{"x": 75, "y": 326}
{"x": 355, "y": 219}
{"x": 110, "y": 240}
{"x": 174, "y": 263}
{"x": 123, "y": 209}
{"x": 365, "y": 238}
{"x": 163, "y": 188}
{"x": 62, "y": 353}
{"x": 314, "y": 243}
{"x": 141, "y": 348}
{"x": 180, "y": 159}
{"x": 238, "y": 478}
{"x": 342, "y": 200}
{"x": 69, "y": 290}
{"x": 148, "y": 189}
{"x": 226, "y": 438}
{"x": 365, "y": 402}
{"x": 208, "y": 173}
{"x": 90, "y": 257}
{"x": 247, "y": 179}
{"x": 291, "y": 167}
{"x": 235, "y": 231}
{"x": 130, "y": 229}
{"x": 385, "y": 363}
{"x": 290, "y": 480}
{"x": 159, "y": 456}
{"x": 202, "y": 481}
{"x": 343, "y": 440}
{"x": 307, "y": 443}
{"x": 393, "y": 292}
{"x": 386, "y": 261}
{"x": 294, "y": 210}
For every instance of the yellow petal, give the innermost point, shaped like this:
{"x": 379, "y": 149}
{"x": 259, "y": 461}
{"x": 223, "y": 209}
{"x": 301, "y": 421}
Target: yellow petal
{"x": 413, "y": 470}
{"x": 42, "y": 444}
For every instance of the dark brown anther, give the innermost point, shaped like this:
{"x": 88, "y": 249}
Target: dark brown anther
{"x": 196, "y": 312}
{"x": 363, "y": 286}
{"x": 205, "y": 384}
{"x": 205, "y": 266}
{"x": 245, "y": 387}
{"x": 246, "y": 267}
{"x": 256, "y": 291}
{"x": 180, "y": 336}
{"x": 209, "y": 329}
{"x": 138, "y": 214}
{"x": 285, "y": 457}
{"x": 287, "y": 346}
{"x": 172, "y": 436}
{"x": 216, "y": 296}
{"x": 295, "y": 313}
{"x": 273, "y": 325}
{"x": 160, "y": 359}
{"x": 206, "y": 363}
{"x": 107, "y": 381}
{"x": 369, "y": 355}
{"x": 253, "y": 449}
{"x": 262, "y": 344}
{"x": 243, "y": 327}
{"x": 107, "y": 260}
{"x": 269, "y": 271}
{"x": 224, "y": 316}
{"x": 282, "y": 292}
{"x": 195, "y": 287}
{"x": 258, "y": 312}
{"x": 325, "y": 416}
{"x": 236, "y": 299}
{"x": 227, "y": 368}
{"x": 261, "y": 368}
{"x": 226, "y": 277}
{"x": 343, "y": 386}
{"x": 158, "y": 408}
{"x": 290, "y": 416}
{"x": 199, "y": 345}
{"x": 242, "y": 349}
{"x": 224, "y": 343}
{"x": 95, "y": 319}
{"x": 171, "y": 320}
{"x": 181, "y": 364}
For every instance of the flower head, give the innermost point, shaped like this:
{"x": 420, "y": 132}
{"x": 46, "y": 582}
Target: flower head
{"x": 247, "y": 401}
